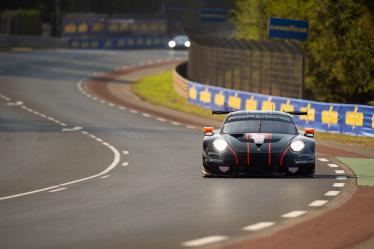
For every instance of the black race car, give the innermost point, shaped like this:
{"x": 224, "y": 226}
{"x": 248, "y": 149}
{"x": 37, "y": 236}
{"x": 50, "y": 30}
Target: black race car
{"x": 258, "y": 143}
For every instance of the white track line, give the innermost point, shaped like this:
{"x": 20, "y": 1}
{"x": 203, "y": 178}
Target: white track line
{"x": 17, "y": 103}
{"x": 293, "y": 214}
{"x": 333, "y": 165}
{"x": 122, "y": 108}
{"x": 133, "y": 111}
{"x": 338, "y": 185}
{"x": 103, "y": 177}
{"x": 76, "y": 128}
{"x": 341, "y": 178}
{"x": 175, "y": 123}
{"x": 323, "y": 159}
{"x": 259, "y": 226}
{"x": 332, "y": 193}
{"x": 56, "y": 190}
{"x": 318, "y": 203}
{"x": 339, "y": 171}
{"x": 161, "y": 119}
{"x": 125, "y": 152}
{"x": 125, "y": 164}
{"x": 204, "y": 241}
{"x": 146, "y": 115}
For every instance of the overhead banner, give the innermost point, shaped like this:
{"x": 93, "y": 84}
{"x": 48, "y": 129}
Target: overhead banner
{"x": 327, "y": 117}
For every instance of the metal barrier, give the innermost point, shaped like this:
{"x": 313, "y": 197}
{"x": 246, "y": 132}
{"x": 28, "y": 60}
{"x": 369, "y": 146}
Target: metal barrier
{"x": 13, "y": 41}
{"x": 180, "y": 84}
{"x": 266, "y": 67}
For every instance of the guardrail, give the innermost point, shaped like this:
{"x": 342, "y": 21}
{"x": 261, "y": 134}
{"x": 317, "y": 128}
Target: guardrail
{"x": 327, "y": 117}
{"x": 179, "y": 82}
{"x": 14, "y": 41}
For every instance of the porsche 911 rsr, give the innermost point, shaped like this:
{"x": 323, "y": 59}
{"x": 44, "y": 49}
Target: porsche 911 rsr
{"x": 258, "y": 143}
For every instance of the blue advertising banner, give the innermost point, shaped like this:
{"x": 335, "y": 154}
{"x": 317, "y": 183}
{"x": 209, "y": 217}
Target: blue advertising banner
{"x": 288, "y": 29}
{"x": 120, "y": 43}
{"x": 328, "y": 117}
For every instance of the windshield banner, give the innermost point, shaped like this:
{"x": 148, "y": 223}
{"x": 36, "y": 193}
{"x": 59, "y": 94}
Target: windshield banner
{"x": 327, "y": 117}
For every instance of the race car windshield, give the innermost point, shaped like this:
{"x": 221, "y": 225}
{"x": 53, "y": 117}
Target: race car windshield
{"x": 259, "y": 123}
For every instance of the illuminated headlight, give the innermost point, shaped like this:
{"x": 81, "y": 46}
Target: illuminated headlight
{"x": 220, "y": 144}
{"x": 297, "y": 145}
{"x": 172, "y": 44}
{"x": 187, "y": 44}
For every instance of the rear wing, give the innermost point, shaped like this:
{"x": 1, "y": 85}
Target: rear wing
{"x": 297, "y": 113}
{"x": 220, "y": 112}
{"x": 227, "y": 112}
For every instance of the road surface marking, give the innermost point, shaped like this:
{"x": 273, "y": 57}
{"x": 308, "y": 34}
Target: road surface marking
{"x": 76, "y": 128}
{"x": 125, "y": 152}
{"x": 341, "y": 178}
{"x": 318, "y": 203}
{"x": 146, "y": 115}
{"x": 175, "y": 123}
{"x": 332, "y": 193}
{"x": 102, "y": 101}
{"x": 161, "y": 119}
{"x": 293, "y": 214}
{"x": 125, "y": 164}
{"x": 133, "y": 111}
{"x": 338, "y": 184}
{"x": 191, "y": 127}
{"x": 204, "y": 241}
{"x": 333, "y": 165}
{"x": 111, "y": 104}
{"x": 99, "y": 139}
{"x": 122, "y": 108}
{"x": 18, "y": 103}
{"x": 56, "y": 190}
{"x": 323, "y": 159}
{"x": 105, "y": 143}
{"x": 339, "y": 171}
{"x": 103, "y": 177}
{"x": 258, "y": 226}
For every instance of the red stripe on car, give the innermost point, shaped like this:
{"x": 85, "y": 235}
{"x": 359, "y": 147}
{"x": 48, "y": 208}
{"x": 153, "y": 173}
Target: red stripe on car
{"x": 284, "y": 153}
{"x": 233, "y": 152}
{"x": 248, "y": 149}
{"x": 269, "y": 150}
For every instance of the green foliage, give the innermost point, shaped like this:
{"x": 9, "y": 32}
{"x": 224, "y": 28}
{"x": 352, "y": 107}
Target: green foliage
{"x": 340, "y": 49}
{"x": 20, "y": 22}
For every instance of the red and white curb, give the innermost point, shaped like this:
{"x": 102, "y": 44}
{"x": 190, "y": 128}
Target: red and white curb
{"x": 81, "y": 89}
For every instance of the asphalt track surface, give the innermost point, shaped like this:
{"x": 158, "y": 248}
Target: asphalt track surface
{"x": 152, "y": 194}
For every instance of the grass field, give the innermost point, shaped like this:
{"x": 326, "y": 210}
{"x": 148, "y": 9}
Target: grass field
{"x": 158, "y": 89}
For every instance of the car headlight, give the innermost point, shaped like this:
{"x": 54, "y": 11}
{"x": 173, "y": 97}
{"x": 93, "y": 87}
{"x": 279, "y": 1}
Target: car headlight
{"x": 187, "y": 44}
{"x": 220, "y": 144}
{"x": 172, "y": 44}
{"x": 297, "y": 145}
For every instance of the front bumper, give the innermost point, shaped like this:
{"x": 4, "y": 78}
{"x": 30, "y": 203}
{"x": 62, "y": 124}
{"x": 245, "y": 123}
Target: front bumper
{"x": 292, "y": 165}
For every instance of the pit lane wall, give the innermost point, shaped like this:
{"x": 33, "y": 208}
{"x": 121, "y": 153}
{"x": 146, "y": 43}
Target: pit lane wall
{"x": 327, "y": 117}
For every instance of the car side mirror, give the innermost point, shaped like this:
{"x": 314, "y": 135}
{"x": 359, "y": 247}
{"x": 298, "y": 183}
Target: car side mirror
{"x": 309, "y": 132}
{"x": 208, "y": 131}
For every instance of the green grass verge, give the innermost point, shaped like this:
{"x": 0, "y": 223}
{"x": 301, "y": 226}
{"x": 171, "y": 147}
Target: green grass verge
{"x": 363, "y": 169}
{"x": 158, "y": 89}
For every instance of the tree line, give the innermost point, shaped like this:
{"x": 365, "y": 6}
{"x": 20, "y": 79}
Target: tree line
{"x": 339, "y": 50}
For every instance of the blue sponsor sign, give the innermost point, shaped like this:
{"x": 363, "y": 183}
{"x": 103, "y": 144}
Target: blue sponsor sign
{"x": 288, "y": 29}
{"x": 212, "y": 15}
{"x": 328, "y": 117}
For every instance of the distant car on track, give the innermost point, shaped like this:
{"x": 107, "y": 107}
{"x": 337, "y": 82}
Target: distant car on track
{"x": 258, "y": 143}
{"x": 179, "y": 42}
